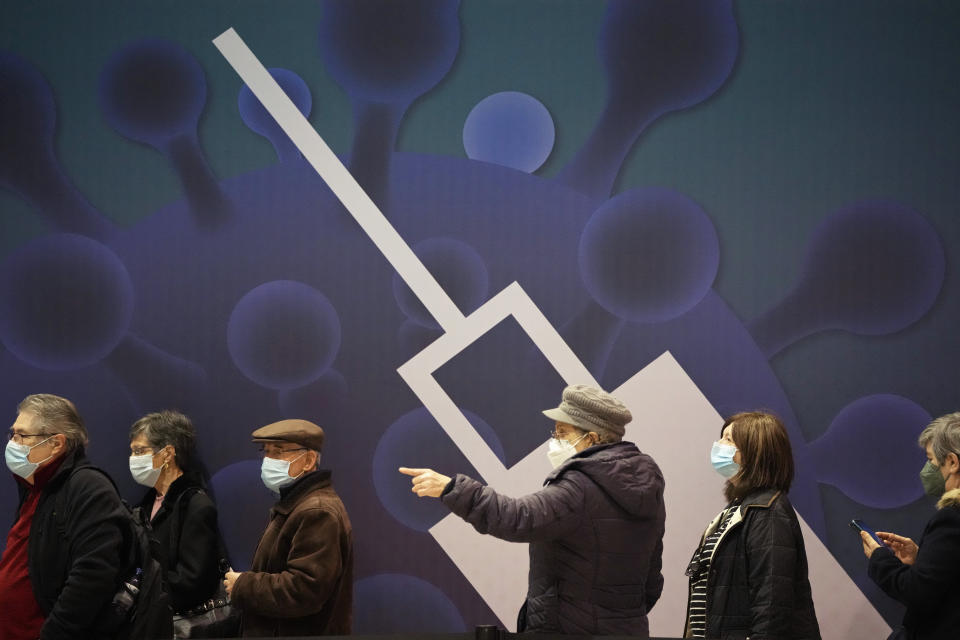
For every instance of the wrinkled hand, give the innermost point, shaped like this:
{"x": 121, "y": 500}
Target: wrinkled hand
{"x": 426, "y": 482}
{"x": 869, "y": 544}
{"x": 228, "y": 579}
{"x": 904, "y": 548}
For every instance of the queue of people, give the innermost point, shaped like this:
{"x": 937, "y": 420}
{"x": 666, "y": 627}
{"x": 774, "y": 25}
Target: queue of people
{"x": 595, "y": 532}
{"x": 70, "y": 554}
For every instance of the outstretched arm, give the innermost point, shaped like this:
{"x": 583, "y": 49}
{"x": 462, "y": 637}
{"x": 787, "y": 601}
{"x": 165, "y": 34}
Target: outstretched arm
{"x": 544, "y": 515}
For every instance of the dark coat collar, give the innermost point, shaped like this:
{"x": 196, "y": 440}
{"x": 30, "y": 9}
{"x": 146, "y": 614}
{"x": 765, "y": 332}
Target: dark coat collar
{"x": 187, "y": 480}
{"x": 289, "y": 496}
{"x": 762, "y": 498}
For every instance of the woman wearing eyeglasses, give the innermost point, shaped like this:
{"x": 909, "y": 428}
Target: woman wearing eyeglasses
{"x": 181, "y": 514}
{"x": 748, "y": 575}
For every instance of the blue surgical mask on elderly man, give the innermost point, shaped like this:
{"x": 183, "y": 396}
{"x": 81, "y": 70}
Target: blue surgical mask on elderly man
{"x": 721, "y": 457}
{"x": 276, "y": 473}
{"x": 16, "y": 457}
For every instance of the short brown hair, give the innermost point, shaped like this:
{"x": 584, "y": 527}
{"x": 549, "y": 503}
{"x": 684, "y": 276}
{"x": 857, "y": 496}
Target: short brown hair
{"x": 766, "y": 458}
{"x": 56, "y": 415}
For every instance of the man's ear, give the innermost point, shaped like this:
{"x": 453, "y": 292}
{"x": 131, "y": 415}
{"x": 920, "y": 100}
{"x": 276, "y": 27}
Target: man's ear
{"x": 60, "y": 443}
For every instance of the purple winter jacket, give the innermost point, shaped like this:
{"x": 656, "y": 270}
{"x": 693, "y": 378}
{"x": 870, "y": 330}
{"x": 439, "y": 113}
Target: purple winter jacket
{"x": 596, "y": 539}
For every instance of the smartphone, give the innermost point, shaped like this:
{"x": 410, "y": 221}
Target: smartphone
{"x": 858, "y": 525}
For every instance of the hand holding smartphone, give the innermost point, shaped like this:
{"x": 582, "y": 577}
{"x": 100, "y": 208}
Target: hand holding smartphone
{"x": 858, "y": 525}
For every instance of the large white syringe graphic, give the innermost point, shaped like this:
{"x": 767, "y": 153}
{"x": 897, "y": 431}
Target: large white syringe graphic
{"x": 668, "y": 408}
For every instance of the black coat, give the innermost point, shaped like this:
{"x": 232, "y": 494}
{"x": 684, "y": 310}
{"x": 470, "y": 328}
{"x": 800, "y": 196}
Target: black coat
{"x": 758, "y": 585}
{"x": 76, "y": 572}
{"x": 930, "y": 587}
{"x": 192, "y": 574}
{"x": 596, "y": 539}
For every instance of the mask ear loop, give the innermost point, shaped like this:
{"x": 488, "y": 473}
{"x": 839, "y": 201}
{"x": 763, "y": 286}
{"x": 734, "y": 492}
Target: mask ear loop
{"x": 165, "y": 461}
{"x": 29, "y": 449}
{"x": 302, "y": 471}
{"x": 574, "y": 443}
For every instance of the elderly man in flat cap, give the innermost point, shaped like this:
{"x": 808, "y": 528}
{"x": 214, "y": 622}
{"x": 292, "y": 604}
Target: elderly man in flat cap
{"x": 595, "y": 529}
{"x": 301, "y": 581}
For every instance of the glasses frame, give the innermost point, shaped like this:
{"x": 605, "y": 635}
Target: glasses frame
{"x": 263, "y": 451}
{"x": 18, "y": 437}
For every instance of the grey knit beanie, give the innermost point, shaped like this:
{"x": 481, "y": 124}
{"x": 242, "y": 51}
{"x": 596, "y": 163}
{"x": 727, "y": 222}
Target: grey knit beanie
{"x": 591, "y": 409}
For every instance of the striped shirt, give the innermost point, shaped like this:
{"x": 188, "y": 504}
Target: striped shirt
{"x": 699, "y": 571}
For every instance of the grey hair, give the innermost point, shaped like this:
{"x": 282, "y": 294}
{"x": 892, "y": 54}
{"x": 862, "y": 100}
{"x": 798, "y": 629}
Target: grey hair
{"x": 168, "y": 428}
{"x": 926, "y": 436}
{"x": 56, "y": 415}
{"x": 946, "y": 438}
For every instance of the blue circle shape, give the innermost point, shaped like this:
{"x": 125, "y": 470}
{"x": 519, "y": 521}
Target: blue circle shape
{"x": 66, "y": 301}
{"x": 458, "y": 268}
{"x": 416, "y": 440}
{"x": 239, "y": 490}
{"x": 649, "y": 255}
{"x": 885, "y": 428}
{"x": 256, "y": 117}
{"x": 398, "y": 603}
{"x": 152, "y": 91}
{"x": 389, "y": 52}
{"x": 511, "y": 129}
{"x": 661, "y": 56}
{"x": 283, "y": 334}
{"x": 883, "y": 263}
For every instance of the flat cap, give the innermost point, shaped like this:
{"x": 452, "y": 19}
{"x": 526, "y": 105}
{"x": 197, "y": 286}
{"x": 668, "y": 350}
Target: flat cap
{"x": 591, "y": 409}
{"x": 302, "y": 432}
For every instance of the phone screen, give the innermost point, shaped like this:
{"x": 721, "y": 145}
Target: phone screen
{"x": 858, "y": 525}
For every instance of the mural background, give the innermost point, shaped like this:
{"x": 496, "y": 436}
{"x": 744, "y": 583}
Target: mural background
{"x": 771, "y": 197}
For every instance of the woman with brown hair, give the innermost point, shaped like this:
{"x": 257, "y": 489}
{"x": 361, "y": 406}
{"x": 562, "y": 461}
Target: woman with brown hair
{"x": 748, "y": 575}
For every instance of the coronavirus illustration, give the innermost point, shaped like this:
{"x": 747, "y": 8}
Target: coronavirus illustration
{"x": 256, "y": 297}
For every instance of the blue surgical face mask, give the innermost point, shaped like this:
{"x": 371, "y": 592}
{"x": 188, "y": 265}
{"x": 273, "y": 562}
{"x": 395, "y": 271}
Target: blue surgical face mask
{"x": 16, "y": 456}
{"x": 276, "y": 473}
{"x": 721, "y": 457}
{"x": 141, "y": 468}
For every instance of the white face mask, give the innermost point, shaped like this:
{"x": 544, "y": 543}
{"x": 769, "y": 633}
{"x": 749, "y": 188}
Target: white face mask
{"x": 560, "y": 450}
{"x": 276, "y": 473}
{"x": 16, "y": 457}
{"x": 141, "y": 468}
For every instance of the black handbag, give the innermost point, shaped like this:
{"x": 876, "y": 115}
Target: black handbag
{"x": 215, "y": 618}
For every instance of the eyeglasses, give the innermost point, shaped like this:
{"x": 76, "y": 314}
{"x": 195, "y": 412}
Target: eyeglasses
{"x": 271, "y": 452}
{"x": 139, "y": 451}
{"x": 19, "y": 437}
{"x": 556, "y": 435}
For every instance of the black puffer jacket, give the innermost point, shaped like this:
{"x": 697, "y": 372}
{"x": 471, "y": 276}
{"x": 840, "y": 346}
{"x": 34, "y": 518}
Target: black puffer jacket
{"x": 76, "y": 572}
{"x": 930, "y": 587}
{"x": 596, "y": 538}
{"x": 193, "y": 572}
{"x": 758, "y": 586}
